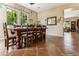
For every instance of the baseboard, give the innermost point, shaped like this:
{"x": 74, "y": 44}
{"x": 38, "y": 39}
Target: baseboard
{"x": 55, "y": 35}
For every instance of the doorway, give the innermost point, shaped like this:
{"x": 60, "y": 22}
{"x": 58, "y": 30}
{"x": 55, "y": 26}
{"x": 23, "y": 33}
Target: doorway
{"x": 73, "y": 26}
{"x": 71, "y": 20}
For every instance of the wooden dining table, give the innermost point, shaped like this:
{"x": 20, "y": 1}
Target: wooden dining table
{"x": 18, "y": 31}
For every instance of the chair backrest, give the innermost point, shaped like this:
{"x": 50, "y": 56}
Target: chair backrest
{"x": 29, "y": 30}
{"x": 30, "y": 25}
{"x": 17, "y": 26}
{"x": 5, "y": 30}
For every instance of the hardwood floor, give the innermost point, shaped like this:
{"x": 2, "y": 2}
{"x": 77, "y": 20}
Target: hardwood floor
{"x": 54, "y": 46}
{"x": 68, "y": 45}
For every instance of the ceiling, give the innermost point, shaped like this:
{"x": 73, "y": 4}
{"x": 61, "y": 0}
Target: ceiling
{"x": 71, "y": 13}
{"x": 38, "y": 7}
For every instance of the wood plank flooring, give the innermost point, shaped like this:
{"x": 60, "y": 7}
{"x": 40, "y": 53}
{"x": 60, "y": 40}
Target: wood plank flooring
{"x": 54, "y": 46}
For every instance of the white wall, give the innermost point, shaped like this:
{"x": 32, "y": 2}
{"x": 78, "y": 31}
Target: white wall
{"x": 56, "y": 30}
{"x": 2, "y": 20}
{"x": 53, "y": 30}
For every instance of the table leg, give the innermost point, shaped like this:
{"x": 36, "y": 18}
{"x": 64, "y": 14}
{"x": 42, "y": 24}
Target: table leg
{"x": 18, "y": 40}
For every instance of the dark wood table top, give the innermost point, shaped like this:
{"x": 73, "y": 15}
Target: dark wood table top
{"x": 25, "y": 28}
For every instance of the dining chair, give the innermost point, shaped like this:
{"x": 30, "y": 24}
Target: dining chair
{"x": 44, "y": 32}
{"x": 30, "y": 36}
{"x": 27, "y": 36}
{"x": 37, "y": 34}
{"x": 9, "y": 40}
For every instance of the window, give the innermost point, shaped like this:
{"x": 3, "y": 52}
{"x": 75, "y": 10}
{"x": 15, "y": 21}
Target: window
{"x": 67, "y": 24}
{"x": 23, "y": 18}
{"x": 11, "y": 17}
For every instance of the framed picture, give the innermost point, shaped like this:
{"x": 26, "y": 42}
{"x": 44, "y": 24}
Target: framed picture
{"x": 52, "y": 20}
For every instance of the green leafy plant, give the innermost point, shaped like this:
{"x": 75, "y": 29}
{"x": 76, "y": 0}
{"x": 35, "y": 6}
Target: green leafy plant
{"x": 11, "y": 17}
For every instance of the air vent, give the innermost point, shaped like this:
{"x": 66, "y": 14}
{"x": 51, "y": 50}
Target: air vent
{"x": 32, "y": 3}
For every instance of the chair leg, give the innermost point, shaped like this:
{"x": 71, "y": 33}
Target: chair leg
{"x": 5, "y": 43}
{"x": 24, "y": 42}
{"x": 13, "y": 42}
{"x": 44, "y": 37}
{"x": 7, "y": 48}
{"x": 28, "y": 42}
